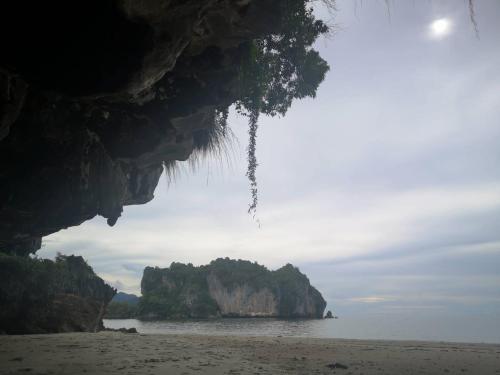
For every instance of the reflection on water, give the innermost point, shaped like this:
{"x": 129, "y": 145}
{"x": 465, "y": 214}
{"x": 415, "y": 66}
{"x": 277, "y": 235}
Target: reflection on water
{"x": 456, "y": 328}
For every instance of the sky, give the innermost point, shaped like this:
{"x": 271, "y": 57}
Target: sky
{"x": 384, "y": 189}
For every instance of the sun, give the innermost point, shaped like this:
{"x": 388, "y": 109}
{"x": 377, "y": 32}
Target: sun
{"x": 440, "y": 28}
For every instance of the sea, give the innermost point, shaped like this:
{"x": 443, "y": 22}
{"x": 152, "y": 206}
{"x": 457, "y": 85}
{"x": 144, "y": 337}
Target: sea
{"x": 468, "y": 329}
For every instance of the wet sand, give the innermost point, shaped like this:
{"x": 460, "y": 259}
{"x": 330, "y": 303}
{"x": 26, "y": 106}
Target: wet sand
{"x": 119, "y": 353}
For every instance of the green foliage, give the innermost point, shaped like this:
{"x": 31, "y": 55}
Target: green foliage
{"x": 232, "y": 273}
{"x": 184, "y": 295}
{"x": 291, "y": 283}
{"x": 283, "y": 66}
{"x": 43, "y": 277}
{"x": 24, "y": 282}
{"x": 252, "y": 161}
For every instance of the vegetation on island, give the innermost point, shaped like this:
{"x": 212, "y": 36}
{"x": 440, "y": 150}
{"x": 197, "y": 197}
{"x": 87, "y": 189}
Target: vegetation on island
{"x": 182, "y": 290}
{"x": 185, "y": 283}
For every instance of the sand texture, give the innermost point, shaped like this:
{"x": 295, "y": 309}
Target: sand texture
{"x": 119, "y": 353}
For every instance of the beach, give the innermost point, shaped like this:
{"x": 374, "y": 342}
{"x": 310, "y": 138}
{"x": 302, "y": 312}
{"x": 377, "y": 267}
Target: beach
{"x": 120, "y": 353}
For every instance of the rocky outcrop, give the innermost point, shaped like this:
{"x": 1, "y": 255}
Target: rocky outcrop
{"x": 228, "y": 288}
{"x": 96, "y": 95}
{"x": 43, "y": 296}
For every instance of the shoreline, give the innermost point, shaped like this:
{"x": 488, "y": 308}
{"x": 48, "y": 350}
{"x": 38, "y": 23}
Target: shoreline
{"x": 199, "y": 327}
{"x": 120, "y": 353}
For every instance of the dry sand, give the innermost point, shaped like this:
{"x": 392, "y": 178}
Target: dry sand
{"x": 119, "y": 353}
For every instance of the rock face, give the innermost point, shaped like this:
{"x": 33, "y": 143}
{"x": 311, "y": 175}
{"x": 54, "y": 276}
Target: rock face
{"x": 90, "y": 111}
{"x": 242, "y": 300}
{"x": 42, "y": 296}
{"x": 228, "y": 288}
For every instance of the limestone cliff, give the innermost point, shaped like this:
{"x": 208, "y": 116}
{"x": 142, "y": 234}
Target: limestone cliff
{"x": 44, "y": 296}
{"x": 242, "y": 299}
{"x": 228, "y": 288}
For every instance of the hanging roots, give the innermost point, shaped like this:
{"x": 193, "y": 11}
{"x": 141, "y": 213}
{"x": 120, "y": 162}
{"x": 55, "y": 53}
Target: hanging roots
{"x": 252, "y": 160}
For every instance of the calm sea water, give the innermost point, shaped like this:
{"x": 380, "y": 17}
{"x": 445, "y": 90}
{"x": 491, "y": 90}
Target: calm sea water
{"x": 450, "y": 328}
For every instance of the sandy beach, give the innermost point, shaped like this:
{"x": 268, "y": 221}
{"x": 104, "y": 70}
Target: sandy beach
{"x": 119, "y": 353}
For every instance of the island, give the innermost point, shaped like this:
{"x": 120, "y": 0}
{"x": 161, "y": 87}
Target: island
{"x": 227, "y": 288}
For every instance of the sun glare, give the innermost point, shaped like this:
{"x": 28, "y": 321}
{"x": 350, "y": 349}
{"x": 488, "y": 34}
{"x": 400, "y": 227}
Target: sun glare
{"x": 440, "y": 28}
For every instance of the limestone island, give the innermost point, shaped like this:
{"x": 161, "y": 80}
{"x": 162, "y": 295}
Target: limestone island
{"x": 223, "y": 288}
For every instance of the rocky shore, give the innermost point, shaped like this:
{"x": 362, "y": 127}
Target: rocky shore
{"x": 119, "y": 353}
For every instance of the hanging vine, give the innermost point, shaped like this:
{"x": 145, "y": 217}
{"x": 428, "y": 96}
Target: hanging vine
{"x": 274, "y": 70}
{"x": 252, "y": 161}
{"x": 278, "y": 69}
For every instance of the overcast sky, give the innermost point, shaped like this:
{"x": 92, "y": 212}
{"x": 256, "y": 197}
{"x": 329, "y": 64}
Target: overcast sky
{"x": 384, "y": 190}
